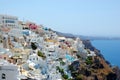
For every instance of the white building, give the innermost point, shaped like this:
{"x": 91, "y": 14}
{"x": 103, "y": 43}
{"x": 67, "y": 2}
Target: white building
{"x": 16, "y": 33}
{"x": 8, "y": 71}
{"x": 8, "y": 21}
{"x": 92, "y": 53}
{"x": 61, "y": 39}
{"x": 33, "y": 57}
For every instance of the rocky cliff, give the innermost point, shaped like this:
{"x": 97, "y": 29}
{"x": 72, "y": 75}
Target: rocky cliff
{"x": 92, "y": 68}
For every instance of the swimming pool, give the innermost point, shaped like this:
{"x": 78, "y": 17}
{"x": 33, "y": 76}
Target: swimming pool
{"x": 69, "y": 58}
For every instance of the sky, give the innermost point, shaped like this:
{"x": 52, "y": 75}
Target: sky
{"x": 81, "y": 17}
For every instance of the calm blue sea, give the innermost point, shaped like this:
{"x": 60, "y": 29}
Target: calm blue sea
{"x": 110, "y": 50}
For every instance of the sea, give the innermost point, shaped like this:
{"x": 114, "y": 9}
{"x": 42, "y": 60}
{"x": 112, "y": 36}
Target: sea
{"x": 110, "y": 49}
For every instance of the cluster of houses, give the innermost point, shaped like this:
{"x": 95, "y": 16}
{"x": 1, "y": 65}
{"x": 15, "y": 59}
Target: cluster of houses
{"x": 32, "y": 52}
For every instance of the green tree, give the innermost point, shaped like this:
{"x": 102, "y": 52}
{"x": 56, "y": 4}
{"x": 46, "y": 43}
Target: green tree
{"x": 62, "y": 63}
{"x": 79, "y": 77}
{"x": 65, "y": 76}
{"x": 40, "y": 54}
{"x": 89, "y": 61}
{"x": 33, "y": 46}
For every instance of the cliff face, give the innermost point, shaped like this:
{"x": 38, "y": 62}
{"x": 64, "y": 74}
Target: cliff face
{"x": 95, "y": 68}
{"x": 106, "y": 72}
{"x": 88, "y": 45}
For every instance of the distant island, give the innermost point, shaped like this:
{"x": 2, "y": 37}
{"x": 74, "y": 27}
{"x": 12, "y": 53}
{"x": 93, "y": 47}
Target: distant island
{"x": 69, "y": 35}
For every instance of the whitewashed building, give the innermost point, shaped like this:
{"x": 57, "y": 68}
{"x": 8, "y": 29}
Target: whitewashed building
{"x": 8, "y": 71}
{"x": 9, "y": 21}
{"x": 92, "y": 53}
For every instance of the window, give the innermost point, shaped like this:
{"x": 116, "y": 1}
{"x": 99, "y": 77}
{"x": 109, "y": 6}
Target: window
{"x": 10, "y": 21}
{"x": 37, "y": 58}
{"x": 33, "y": 58}
{"x": 3, "y": 17}
{"x": 30, "y": 53}
{"x": 5, "y": 58}
{"x": 3, "y": 76}
{"x": 30, "y": 59}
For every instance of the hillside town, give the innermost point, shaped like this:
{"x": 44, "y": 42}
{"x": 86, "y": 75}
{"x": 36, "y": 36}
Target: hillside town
{"x": 29, "y": 51}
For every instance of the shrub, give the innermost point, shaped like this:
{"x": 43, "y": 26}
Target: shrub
{"x": 40, "y": 54}
{"x": 89, "y": 61}
{"x": 57, "y": 68}
{"x": 70, "y": 67}
{"x": 111, "y": 76}
{"x": 33, "y": 46}
{"x": 62, "y": 63}
{"x": 87, "y": 72}
{"x": 79, "y": 77}
{"x": 78, "y": 56}
{"x": 88, "y": 51}
{"x": 60, "y": 69}
{"x": 70, "y": 79}
{"x": 65, "y": 76}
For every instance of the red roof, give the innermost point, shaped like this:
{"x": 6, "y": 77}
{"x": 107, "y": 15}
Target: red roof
{"x": 33, "y": 26}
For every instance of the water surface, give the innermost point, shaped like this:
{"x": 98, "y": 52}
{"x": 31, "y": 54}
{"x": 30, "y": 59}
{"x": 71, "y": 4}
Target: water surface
{"x": 110, "y": 50}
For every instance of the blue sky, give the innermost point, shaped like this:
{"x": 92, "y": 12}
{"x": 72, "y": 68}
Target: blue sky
{"x": 84, "y": 17}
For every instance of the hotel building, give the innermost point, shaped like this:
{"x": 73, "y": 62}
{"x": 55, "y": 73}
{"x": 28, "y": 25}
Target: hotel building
{"x": 8, "y": 21}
